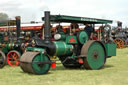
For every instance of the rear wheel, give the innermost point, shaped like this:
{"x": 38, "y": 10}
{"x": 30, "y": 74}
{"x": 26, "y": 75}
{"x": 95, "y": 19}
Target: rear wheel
{"x": 95, "y": 55}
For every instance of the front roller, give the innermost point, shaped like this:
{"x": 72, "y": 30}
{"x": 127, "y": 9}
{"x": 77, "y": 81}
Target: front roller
{"x": 95, "y": 55}
{"x": 35, "y": 63}
{"x": 2, "y": 59}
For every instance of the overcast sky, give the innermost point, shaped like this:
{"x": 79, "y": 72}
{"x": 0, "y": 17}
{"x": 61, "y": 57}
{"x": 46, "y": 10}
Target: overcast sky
{"x": 29, "y": 10}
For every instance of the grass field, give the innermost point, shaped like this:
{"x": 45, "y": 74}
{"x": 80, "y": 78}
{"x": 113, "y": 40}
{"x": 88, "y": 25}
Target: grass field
{"x": 115, "y": 72}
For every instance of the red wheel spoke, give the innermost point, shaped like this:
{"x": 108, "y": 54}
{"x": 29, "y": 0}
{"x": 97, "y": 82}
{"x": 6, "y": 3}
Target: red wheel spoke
{"x": 17, "y": 57}
{"x": 11, "y": 55}
{"x": 14, "y": 57}
{"x": 17, "y": 63}
{"x": 9, "y": 58}
{"x": 11, "y": 62}
{"x": 14, "y": 54}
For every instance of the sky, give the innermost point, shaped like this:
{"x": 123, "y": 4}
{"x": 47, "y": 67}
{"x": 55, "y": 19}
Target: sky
{"x": 30, "y": 10}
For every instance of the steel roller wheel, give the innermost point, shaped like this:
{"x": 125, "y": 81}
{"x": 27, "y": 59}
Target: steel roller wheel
{"x": 95, "y": 55}
{"x": 120, "y": 43}
{"x": 27, "y": 63}
{"x": 13, "y": 58}
{"x": 2, "y": 59}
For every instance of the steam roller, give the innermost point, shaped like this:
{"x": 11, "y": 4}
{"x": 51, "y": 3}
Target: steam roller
{"x": 73, "y": 50}
{"x": 14, "y": 49}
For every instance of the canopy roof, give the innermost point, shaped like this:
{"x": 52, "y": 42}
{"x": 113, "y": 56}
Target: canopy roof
{"x": 75, "y": 19}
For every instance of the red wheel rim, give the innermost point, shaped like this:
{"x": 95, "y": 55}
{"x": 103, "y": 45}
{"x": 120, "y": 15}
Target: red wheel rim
{"x": 13, "y": 58}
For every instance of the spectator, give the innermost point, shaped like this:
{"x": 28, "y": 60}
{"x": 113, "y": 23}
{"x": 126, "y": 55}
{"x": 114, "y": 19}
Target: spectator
{"x": 59, "y": 28}
{"x": 89, "y": 31}
{"x": 74, "y": 28}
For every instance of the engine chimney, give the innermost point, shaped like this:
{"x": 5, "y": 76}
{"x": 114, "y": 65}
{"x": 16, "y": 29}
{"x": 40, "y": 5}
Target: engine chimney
{"x": 18, "y": 26}
{"x": 47, "y": 31}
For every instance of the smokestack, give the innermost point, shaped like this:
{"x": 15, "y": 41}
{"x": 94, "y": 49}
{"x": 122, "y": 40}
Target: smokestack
{"x": 47, "y": 31}
{"x": 18, "y": 26}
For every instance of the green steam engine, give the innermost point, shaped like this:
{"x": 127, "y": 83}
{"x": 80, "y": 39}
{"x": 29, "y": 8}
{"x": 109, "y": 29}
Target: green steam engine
{"x": 73, "y": 50}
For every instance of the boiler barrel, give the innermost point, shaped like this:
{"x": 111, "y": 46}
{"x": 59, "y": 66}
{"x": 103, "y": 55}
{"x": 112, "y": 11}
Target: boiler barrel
{"x": 63, "y": 49}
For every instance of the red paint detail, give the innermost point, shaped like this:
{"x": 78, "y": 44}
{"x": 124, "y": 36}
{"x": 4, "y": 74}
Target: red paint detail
{"x": 64, "y": 30}
{"x": 95, "y": 38}
{"x": 72, "y": 41}
{"x": 80, "y": 60}
{"x": 22, "y": 28}
{"x": 13, "y": 59}
{"x": 53, "y": 65}
{"x": 6, "y": 38}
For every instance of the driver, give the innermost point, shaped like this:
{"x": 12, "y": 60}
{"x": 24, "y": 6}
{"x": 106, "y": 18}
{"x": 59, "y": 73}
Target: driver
{"x": 89, "y": 31}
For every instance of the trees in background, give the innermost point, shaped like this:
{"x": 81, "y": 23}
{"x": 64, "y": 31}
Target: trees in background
{"x": 3, "y": 16}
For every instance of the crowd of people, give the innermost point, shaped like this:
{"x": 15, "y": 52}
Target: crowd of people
{"x": 74, "y": 28}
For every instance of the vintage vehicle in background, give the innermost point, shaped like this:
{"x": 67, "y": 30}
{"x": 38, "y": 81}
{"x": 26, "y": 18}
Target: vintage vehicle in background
{"x": 119, "y": 35}
{"x": 14, "y": 38}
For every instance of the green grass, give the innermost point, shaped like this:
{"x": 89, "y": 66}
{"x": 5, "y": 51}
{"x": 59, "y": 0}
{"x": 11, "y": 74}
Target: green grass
{"x": 115, "y": 72}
